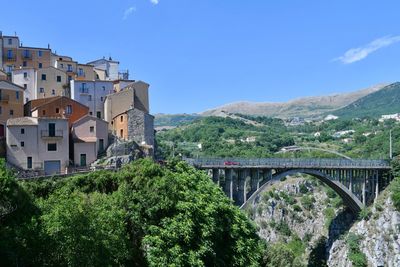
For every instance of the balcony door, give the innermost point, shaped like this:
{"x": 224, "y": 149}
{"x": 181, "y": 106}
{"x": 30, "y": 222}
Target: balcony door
{"x": 52, "y": 129}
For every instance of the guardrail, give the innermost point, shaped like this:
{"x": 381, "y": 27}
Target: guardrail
{"x": 56, "y": 133}
{"x": 289, "y": 163}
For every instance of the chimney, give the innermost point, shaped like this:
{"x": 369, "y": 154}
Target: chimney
{"x": 1, "y": 34}
{"x": 48, "y": 46}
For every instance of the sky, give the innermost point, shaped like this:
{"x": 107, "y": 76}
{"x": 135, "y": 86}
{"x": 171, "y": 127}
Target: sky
{"x": 200, "y": 54}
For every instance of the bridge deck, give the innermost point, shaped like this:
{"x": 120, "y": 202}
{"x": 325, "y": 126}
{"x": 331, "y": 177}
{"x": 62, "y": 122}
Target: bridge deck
{"x": 289, "y": 163}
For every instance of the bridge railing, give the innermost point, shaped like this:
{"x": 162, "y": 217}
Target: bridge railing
{"x": 289, "y": 163}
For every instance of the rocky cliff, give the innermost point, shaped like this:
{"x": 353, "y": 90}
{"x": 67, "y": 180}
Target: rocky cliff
{"x": 377, "y": 236}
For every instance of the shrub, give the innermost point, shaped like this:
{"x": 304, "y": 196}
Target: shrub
{"x": 364, "y": 214}
{"x": 297, "y": 208}
{"x": 307, "y": 202}
{"x": 355, "y": 255}
{"x": 303, "y": 189}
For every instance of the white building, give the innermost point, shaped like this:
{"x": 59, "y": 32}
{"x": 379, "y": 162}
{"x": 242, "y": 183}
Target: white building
{"x": 395, "y": 117}
{"x": 26, "y": 77}
{"x": 38, "y": 144}
{"x": 90, "y": 137}
{"x": 92, "y": 94}
{"x": 111, "y": 68}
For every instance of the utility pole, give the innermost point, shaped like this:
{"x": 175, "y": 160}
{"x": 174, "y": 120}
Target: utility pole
{"x": 390, "y": 144}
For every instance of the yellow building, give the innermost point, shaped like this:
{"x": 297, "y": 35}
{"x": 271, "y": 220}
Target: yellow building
{"x": 11, "y": 103}
{"x": 51, "y": 82}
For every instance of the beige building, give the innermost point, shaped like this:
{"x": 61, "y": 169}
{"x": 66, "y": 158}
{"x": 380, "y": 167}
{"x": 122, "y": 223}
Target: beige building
{"x": 135, "y": 95}
{"x": 51, "y": 82}
{"x": 85, "y": 72}
{"x": 90, "y": 137}
{"x": 11, "y": 103}
{"x": 40, "y": 144}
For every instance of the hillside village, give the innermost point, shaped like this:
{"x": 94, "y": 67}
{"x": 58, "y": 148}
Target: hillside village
{"x": 57, "y": 114}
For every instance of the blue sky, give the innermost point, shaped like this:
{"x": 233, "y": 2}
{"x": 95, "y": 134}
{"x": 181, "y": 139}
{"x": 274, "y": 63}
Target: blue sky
{"x": 201, "y": 54}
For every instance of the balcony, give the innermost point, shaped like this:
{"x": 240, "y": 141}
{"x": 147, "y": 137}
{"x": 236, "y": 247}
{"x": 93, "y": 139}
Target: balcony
{"x": 81, "y": 75}
{"x": 9, "y": 58}
{"x": 52, "y": 135}
{"x": 26, "y": 55}
{"x": 84, "y": 90}
{"x": 4, "y": 98}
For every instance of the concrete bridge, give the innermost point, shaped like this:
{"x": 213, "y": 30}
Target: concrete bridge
{"x": 358, "y": 182}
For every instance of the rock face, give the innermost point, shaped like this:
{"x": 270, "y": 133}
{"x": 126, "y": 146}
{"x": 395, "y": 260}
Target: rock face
{"x": 380, "y": 238}
{"x": 300, "y": 208}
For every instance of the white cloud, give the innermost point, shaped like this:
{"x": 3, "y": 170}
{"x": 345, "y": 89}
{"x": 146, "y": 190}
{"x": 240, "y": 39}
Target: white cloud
{"x": 154, "y": 2}
{"x": 359, "y": 53}
{"x": 128, "y": 12}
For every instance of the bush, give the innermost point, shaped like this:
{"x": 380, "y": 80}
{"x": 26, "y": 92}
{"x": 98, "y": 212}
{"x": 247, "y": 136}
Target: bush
{"x": 297, "y": 208}
{"x": 364, "y": 214}
{"x": 307, "y": 202}
{"x": 284, "y": 228}
{"x": 303, "y": 189}
{"x": 355, "y": 255}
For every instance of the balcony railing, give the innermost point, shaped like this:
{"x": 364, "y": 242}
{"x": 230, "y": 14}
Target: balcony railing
{"x": 52, "y": 134}
{"x": 80, "y": 74}
{"x": 9, "y": 58}
{"x": 26, "y": 55}
{"x": 84, "y": 90}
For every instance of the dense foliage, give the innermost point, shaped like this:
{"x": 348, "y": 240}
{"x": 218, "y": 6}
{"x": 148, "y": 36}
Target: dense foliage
{"x": 225, "y": 137}
{"x": 144, "y": 215}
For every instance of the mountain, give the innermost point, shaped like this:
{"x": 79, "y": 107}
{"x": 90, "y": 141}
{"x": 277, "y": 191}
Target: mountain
{"x": 384, "y": 101}
{"x": 162, "y": 120}
{"x": 302, "y": 107}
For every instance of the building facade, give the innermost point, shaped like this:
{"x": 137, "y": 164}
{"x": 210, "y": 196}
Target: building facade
{"x": 56, "y": 107}
{"x": 92, "y": 94}
{"x": 40, "y": 144}
{"x": 90, "y": 137}
{"x": 11, "y": 103}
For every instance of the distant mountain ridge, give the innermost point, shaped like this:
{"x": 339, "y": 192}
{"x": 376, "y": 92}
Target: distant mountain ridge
{"x": 384, "y": 101}
{"x": 301, "y": 107}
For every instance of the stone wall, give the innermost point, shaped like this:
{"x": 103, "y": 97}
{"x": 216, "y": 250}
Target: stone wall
{"x": 140, "y": 127}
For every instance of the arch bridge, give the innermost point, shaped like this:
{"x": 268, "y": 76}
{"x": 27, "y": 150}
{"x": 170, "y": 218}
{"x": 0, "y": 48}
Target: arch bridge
{"x": 358, "y": 182}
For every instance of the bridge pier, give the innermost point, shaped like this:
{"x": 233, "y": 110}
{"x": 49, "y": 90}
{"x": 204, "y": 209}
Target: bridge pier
{"x": 228, "y": 183}
{"x": 241, "y": 194}
{"x": 215, "y": 176}
{"x": 254, "y": 182}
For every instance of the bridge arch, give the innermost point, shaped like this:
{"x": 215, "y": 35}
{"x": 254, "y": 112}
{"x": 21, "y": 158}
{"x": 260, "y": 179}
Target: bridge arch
{"x": 347, "y": 196}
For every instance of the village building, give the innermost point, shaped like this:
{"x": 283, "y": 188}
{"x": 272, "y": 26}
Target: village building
{"x": 11, "y": 103}
{"x": 92, "y": 94}
{"x": 56, "y": 107}
{"x": 40, "y": 144}
{"x": 90, "y": 138}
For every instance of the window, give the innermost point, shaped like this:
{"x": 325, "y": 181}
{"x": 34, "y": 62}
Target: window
{"x": 25, "y": 75}
{"x": 52, "y": 129}
{"x": 58, "y": 78}
{"x": 9, "y": 68}
{"x": 40, "y": 65}
{"x": 9, "y": 54}
{"x": 53, "y": 92}
{"x": 9, "y": 41}
{"x": 17, "y": 94}
{"x": 62, "y": 65}
{"x": 89, "y": 97}
{"x": 22, "y": 131}
{"x": 26, "y": 54}
{"x": 68, "y": 110}
{"x": 1, "y": 109}
{"x": 98, "y": 114}
{"x": 91, "y": 129}
{"x": 22, "y": 143}
{"x": 26, "y": 99}
{"x": 52, "y": 147}
{"x": 90, "y": 113}
{"x": 25, "y": 86}
{"x": 122, "y": 118}
{"x": 104, "y": 88}
{"x": 57, "y": 110}
{"x": 40, "y": 53}
{"x": 24, "y": 64}
{"x": 101, "y": 99}
{"x": 44, "y": 112}
{"x": 44, "y": 77}
{"x": 41, "y": 90}
{"x": 11, "y": 112}
{"x": 80, "y": 72}
{"x": 121, "y": 133}
{"x": 29, "y": 162}
{"x": 69, "y": 67}
{"x": 69, "y": 78}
